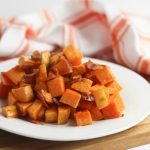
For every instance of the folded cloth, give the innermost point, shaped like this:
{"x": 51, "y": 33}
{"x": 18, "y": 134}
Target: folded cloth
{"x": 93, "y": 26}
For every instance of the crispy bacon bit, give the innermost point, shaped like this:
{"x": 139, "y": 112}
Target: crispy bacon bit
{"x": 88, "y": 98}
{"x": 51, "y": 75}
{"x": 91, "y": 66}
{"x": 45, "y": 97}
{"x": 56, "y": 101}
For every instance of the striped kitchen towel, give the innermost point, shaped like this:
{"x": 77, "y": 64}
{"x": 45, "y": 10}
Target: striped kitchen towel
{"x": 94, "y": 26}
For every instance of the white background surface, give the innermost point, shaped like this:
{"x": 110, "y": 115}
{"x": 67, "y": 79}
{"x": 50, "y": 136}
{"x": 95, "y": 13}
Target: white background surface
{"x": 14, "y": 7}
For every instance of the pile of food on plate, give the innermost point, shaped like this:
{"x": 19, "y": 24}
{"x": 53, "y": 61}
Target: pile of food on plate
{"x": 54, "y": 87}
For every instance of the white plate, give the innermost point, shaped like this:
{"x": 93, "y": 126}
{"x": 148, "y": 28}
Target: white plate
{"x": 135, "y": 93}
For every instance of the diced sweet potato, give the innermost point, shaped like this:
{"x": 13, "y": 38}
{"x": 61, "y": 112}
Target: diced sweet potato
{"x": 104, "y": 75}
{"x": 34, "y": 109}
{"x": 62, "y": 67}
{"x": 73, "y": 55}
{"x": 45, "y": 57}
{"x": 54, "y": 59}
{"x": 23, "y": 94}
{"x": 113, "y": 87}
{"x": 82, "y": 86}
{"x": 95, "y": 113}
{"x": 79, "y": 70}
{"x": 71, "y": 98}
{"x": 51, "y": 114}
{"x": 41, "y": 115}
{"x": 56, "y": 86}
{"x": 100, "y": 96}
{"x": 40, "y": 85}
{"x": 85, "y": 104}
{"x": 22, "y": 107}
{"x": 11, "y": 99}
{"x": 42, "y": 74}
{"x": 5, "y": 80}
{"x": 83, "y": 118}
{"x": 15, "y": 74}
{"x": 4, "y": 90}
{"x": 63, "y": 114}
{"x": 114, "y": 109}
{"x": 10, "y": 111}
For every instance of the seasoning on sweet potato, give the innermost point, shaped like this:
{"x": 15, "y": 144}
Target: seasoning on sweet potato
{"x": 10, "y": 111}
{"x": 114, "y": 109}
{"x": 4, "y": 90}
{"x": 104, "y": 75}
{"x": 100, "y": 96}
{"x": 23, "y": 94}
{"x": 41, "y": 85}
{"x": 113, "y": 87}
{"x": 42, "y": 74}
{"x": 63, "y": 114}
{"x": 11, "y": 99}
{"x": 95, "y": 113}
{"x": 85, "y": 104}
{"x": 15, "y": 74}
{"x": 56, "y": 86}
{"x": 79, "y": 70}
{"x": 51, "y": 114}
{"x": 45, "y": 57}
{"x": 63, "y": 66}
{"x": 73, "y": 55}
{"x": 5, "y": 80}
{"x": 83, "y": 118}
{"x": 22, "y": 108}
{"x": 34, "y": 109}
{"x": 70, "y": 98}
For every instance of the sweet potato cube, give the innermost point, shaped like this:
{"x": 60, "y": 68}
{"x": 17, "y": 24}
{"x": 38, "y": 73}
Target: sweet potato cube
{"x": 40, "y": 86}
{"x": 73, "y": 55}
{"x": 113, "y": 87}
{"x": 63, "y": 67}
{"x": 71, "y": 98}
{"x": 45, "y": 57}
{"x": 11, "y": 99}
{"x": 42, "y": 74}
{"x": 41, "y": 115}
{"x": 5, "y": 80}
{"x": 4, "y": 90}
{"x": 23, "y": 94}
{"x": 34, "y": 109}
{"x": 15, "y": 74}
{"x": 51, "y": 114}
{"x": 56, "y": 86}
{"x": 82, "y": 86}
{"x": 95, "y": 113}
{"x": 10, "y": 111}
{"x": 22, "y": 107}
{"x": 83, "y": 118}
{"x": 63, "y": 114}
{"x": 79, "y": 70}
{"x": 114, "y": 109}
{"x": 83, "y": 104}
{"x": 104, "y": 75}
{"x": 100, "y": 97}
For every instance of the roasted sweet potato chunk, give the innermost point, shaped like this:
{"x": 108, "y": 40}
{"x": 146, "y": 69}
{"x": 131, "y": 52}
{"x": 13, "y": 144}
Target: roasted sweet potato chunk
{"x": 51, "y": 114}
{"x": 4, "y": 90}
{"x": 79, "y": 70}
{"x": 104, "y": 75}
{"x": 22, "y": 107}
{"x": 23, "y": 94}
{"x": 56, "y": 86}
{"x": 5, "y": 80}
{"x": 63, "y": 114}
{"x": 73, "y": 55}
{"x": 83, "y": 118}
{"x": 15, "y": 74}
{"x": 63, "y": 67}
{"x": 42, "y": 74}
{"x": 70, "y": 98}
{"x": 45, "y": 58}
{"x": 10, "y": 111}
{"x": 11, "y": 99}
{"x": 34, "y": 109}
{"x": 85, "y": 104}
